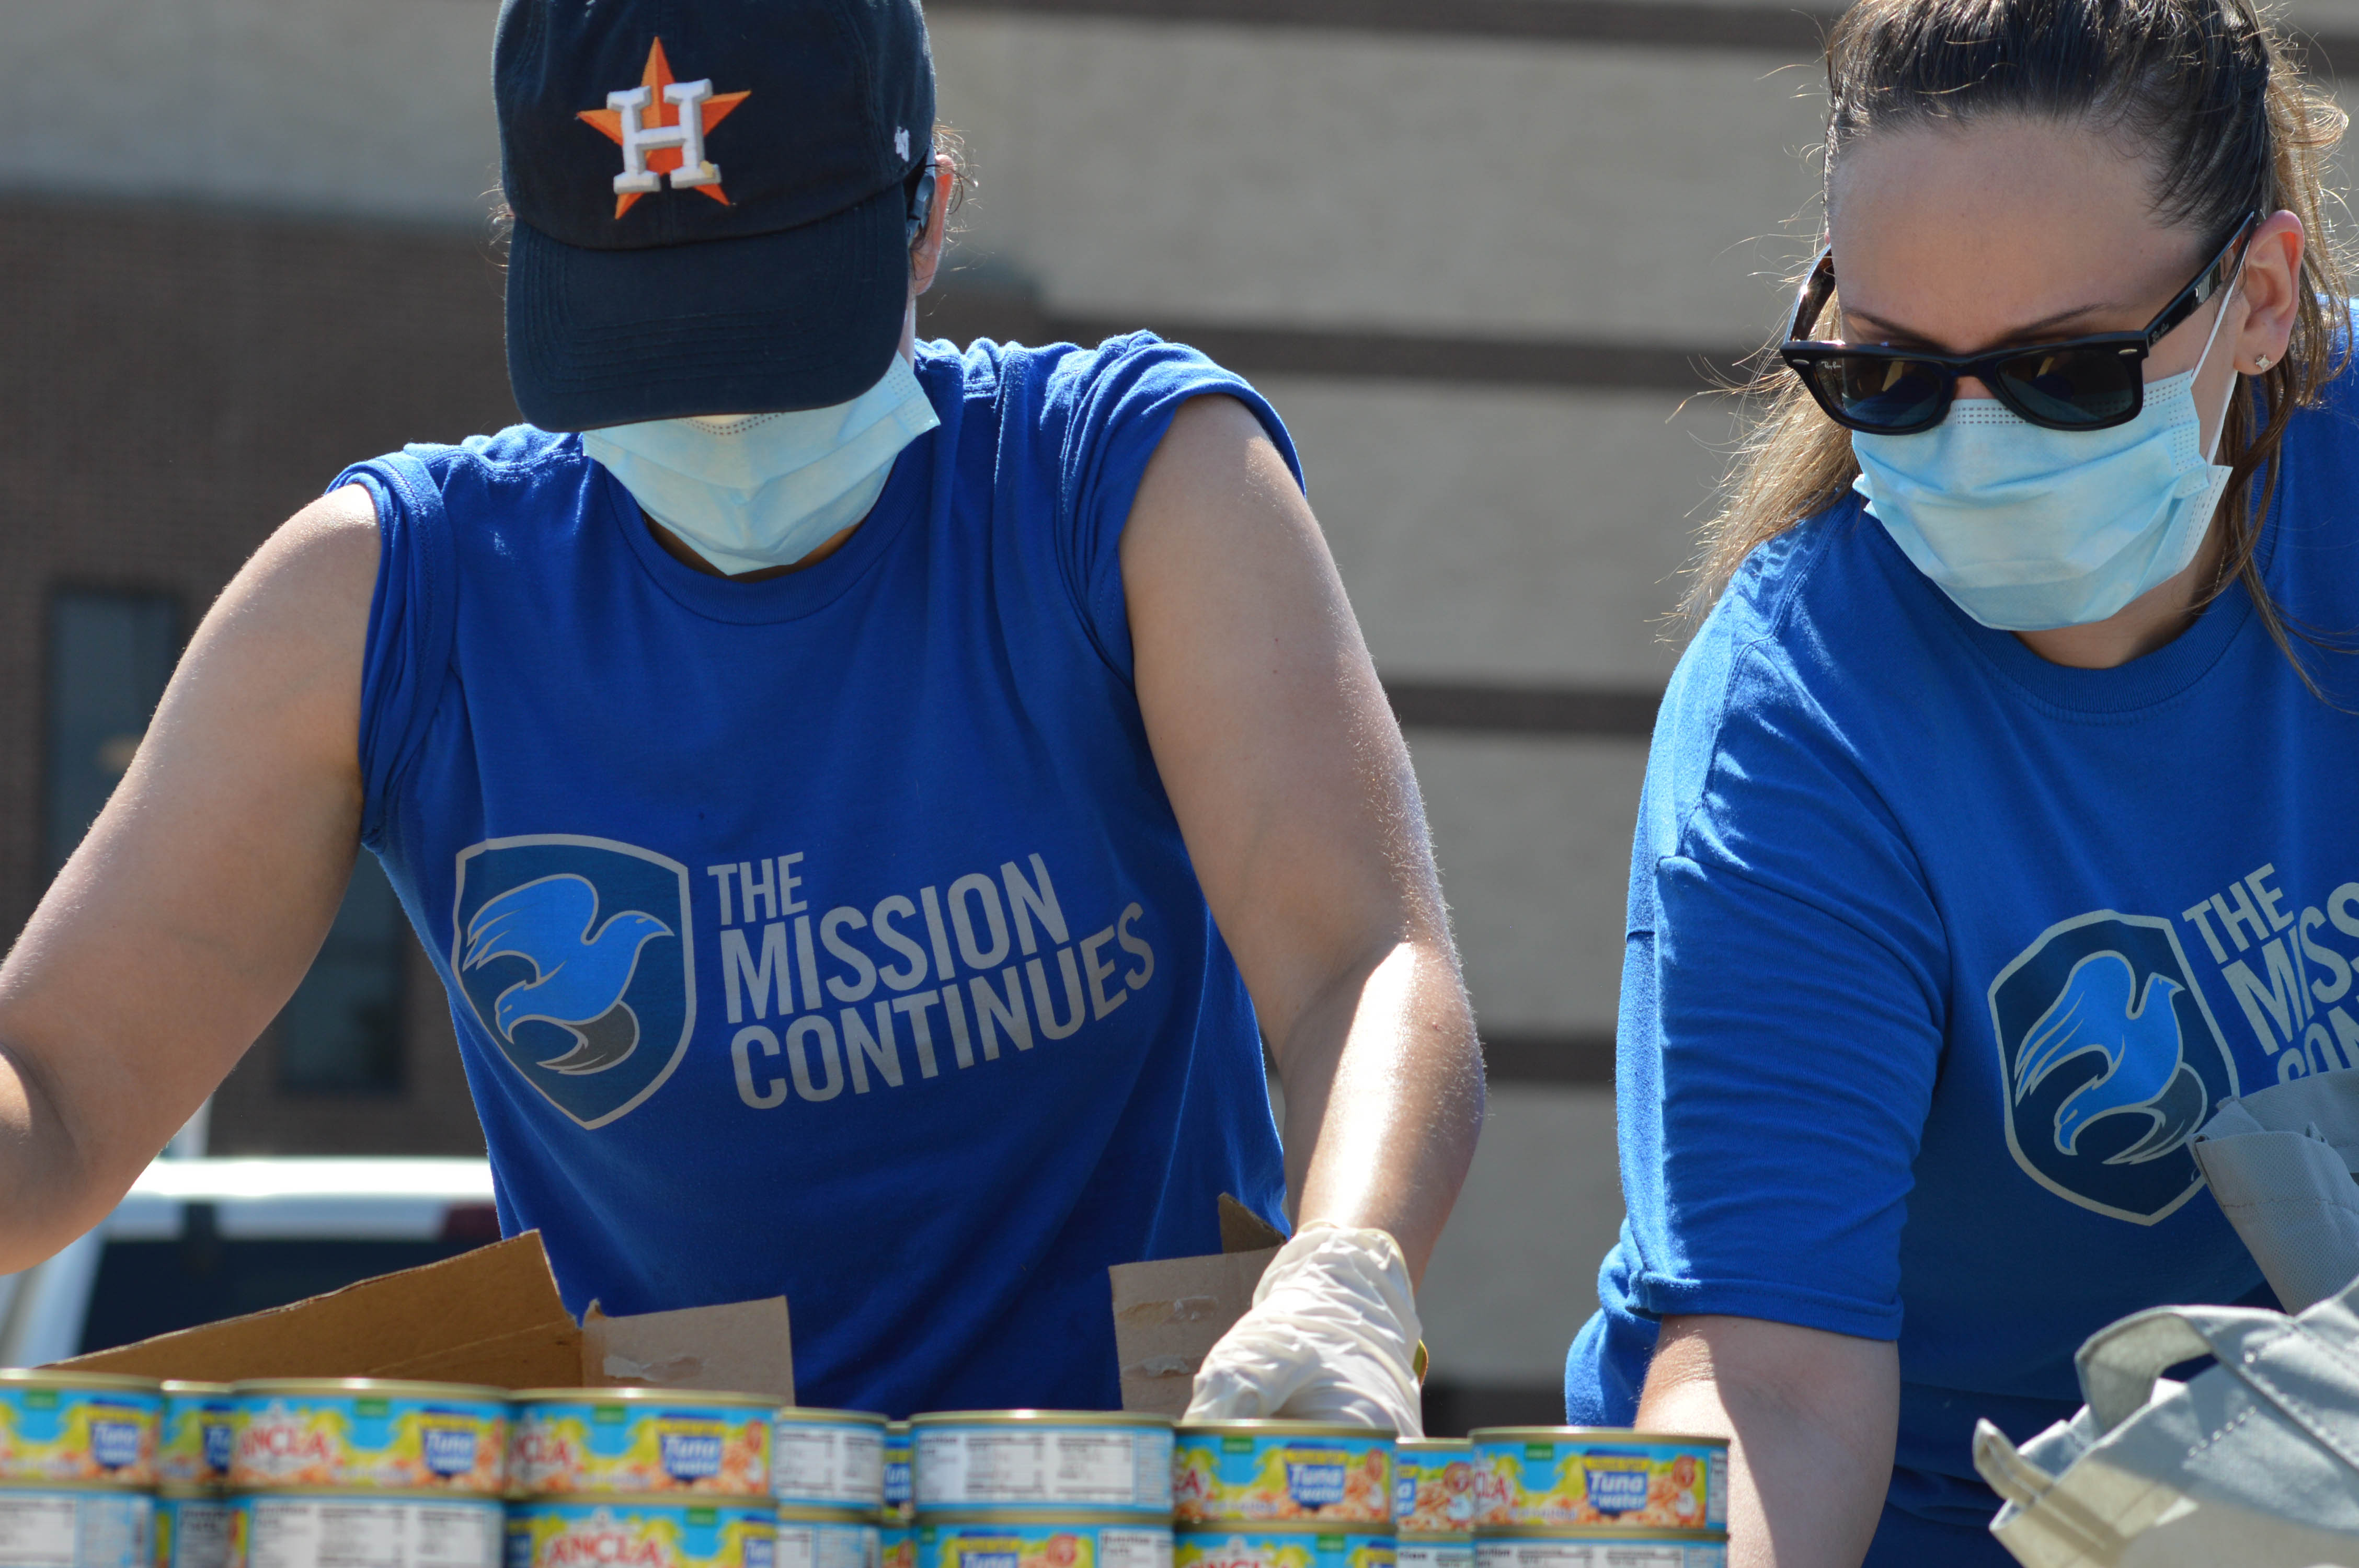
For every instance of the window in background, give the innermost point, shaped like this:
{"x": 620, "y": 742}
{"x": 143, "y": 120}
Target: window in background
{"x": 110, "y": 657}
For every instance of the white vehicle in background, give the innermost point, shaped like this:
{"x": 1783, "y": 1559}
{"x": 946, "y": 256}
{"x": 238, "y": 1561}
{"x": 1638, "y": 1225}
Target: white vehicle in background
{"x": 197, "y": 1241}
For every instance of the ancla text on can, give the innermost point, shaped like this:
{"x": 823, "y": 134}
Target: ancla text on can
{"x": 1551, "y": 1478}
{"x": 200, "y": 1429}
{"x": 640, "y": 1532}
{"x": 1246, "y": 1472}
{"x": 1113, "y": 1462}
{"x": 827, "y": 1459}
{"x": 370, "y": 1434}
{"x": 1605, "y": 1548}
{"x": 83, "y": 1527}
{"x": 1043, "y": 1540}
{"x": 1281, "y": 1547}
{"x": 79, "y": 1428}
{"x": 364, "y": 1530}
{"x": 192, "y": 1530}
{"x": 640, "y": 1442}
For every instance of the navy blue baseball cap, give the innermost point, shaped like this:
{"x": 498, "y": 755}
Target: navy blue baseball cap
{"x": 712, "y": 201}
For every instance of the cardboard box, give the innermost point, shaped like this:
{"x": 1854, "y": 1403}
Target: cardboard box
{"x": 1169, "y": 1313}
{"x": 492, "y": 1316}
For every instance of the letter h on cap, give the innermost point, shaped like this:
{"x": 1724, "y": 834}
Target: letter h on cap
{"x": 639, "y": 139}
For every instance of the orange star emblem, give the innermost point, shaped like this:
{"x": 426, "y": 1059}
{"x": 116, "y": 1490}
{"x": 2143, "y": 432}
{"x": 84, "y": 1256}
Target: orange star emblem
{"x": 659, "y": 142}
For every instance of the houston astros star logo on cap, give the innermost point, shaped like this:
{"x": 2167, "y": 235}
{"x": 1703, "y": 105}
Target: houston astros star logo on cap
{"x": 660, "y": 125}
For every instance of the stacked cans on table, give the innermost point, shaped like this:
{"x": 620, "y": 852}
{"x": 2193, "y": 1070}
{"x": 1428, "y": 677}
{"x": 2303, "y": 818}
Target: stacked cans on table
{"x": 827, "y": 1473}
{"x": 193, "y": 1507}
{"x": 1433, "y": 1502}
{"x": 1284, "y": 1494}
{"x": 640, "y": 1478}
{"x": 1559, "y": 1497}
{"x": 78, "y": 1469}
{"x": 366, "y": 1473}
{"x": 898, "y": 1537}
{"x": 1041, "y": 1489}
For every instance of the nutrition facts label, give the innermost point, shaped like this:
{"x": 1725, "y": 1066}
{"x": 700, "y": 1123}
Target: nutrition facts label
{"x": 1601, "y": 1553}
{"x": 362, "y": 1532}
{"x": 1133, "y": 1548}
{"x": 74, "y": 1529}
{"x": 802, "y": 1545}
{"x": 1084, "y": 1467}
{"x": 1435, "y": 1554}
{"x": 827, "y": 1463}
{"x": 196, "y": 1534}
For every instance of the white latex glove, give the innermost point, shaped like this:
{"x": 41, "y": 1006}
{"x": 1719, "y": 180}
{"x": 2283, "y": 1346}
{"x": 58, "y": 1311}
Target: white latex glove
{"x": 1331, "y": 1335}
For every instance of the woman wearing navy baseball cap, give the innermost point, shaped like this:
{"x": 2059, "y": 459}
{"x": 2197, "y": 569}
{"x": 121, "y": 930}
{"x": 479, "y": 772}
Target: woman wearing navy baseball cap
{"x": 869, "y": 802}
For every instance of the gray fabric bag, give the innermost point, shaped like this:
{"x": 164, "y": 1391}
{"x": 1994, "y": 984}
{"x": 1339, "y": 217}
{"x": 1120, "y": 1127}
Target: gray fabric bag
{"x": 2255, "y": 1460}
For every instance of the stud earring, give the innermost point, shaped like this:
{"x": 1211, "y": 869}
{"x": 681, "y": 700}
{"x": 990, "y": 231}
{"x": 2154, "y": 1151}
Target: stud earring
{"x": 2260, "y": 362}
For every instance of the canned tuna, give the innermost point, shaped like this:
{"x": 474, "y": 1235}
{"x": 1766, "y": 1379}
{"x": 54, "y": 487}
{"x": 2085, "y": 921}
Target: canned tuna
{"x": 827, "y": 1459}
{"x": 363, "y": 1530}
{"x": 1605, "y": 1548}
{"x": 370, "y": 1434}
{"x": 968, "y": 1461}
{"x": 896, "y": 1544}
{"x": 1263, "y": 1547}
{"x": 192, "y": 1531}
{"x": 200, "y": 1429}
{"x": 815, "y": 1538}
{"x": 1553, "y": 1477}
{"x": 1244, "y": 1472}
{"x": 1433, "y": 1487}
{"x": 76, "y": 1528}
{"x": 640, "y": 1442}
{"x": 900, "y": 1495}
{"x": 79, "y": 1428}
{"x": 1038, "y": 1541}
{"x": 641, "y": 1532}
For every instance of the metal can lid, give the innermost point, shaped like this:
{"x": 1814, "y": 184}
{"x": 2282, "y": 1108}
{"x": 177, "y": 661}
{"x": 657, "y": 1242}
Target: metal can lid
{"x": 1601, "y": 1436}
{"x": 183, "y": 1388}
{"x": 1285, "y": 1429}
{"x": 812, "y": 1415}
{"x": 637, "y": 1396}
{"x": 1627, "y": 1532}
{"x": 896, "y": 1429}
{"x": 1079, "y": 1518}
{"x": 1407, "y": 1445}
{"x": 797, "y": 1513}
{"x": 370, "y": 1387}
{"x": 111, "y": 1382}
{"x": 519, "y": 1507}
{"x": 1382, "y": 1528}
{"x": 1437, "y": 1537}
{"x": 1039, "y": 1418}
{"x": 110, "y": 1488}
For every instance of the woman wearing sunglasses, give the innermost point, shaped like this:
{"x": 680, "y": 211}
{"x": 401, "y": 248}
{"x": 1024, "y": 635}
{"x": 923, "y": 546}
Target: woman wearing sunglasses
{"x": 2000, "y": 821}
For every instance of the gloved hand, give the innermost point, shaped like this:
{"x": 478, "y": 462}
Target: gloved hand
{"x": 1331, "y": 1335}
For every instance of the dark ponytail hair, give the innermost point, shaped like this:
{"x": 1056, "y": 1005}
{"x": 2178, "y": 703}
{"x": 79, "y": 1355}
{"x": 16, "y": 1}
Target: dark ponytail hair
{"x": 2207, "y": 91}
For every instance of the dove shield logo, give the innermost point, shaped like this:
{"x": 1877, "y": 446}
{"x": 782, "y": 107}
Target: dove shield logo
{"x": 2109, "y": 1061}
{"x": 575, "y": 955}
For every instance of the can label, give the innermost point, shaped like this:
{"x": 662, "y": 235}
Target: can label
{"x": 899, "y": 1490}
{"x": 827, "y": 1463}
{"x": 364, "y": 1531}
{"x": 828, "y": 1543}
{"x": 78, "y": 1435}
{"x": 378, "y": 1442}
{"x": 897, "y": 1546}
{"x": 75, "y": 1529}
{"x": 192, "y": 1532}
{"x": 605, "y": 1534}
{"x": 1431, "y": 1553}
{"x": 1433, "y": 1492}
{"x": 565, "y": 1448}
{"x": 1633, "y": 1483}
{"x": 1032, "y": 1464}
{"x": 1288, "y": 1548}
{"x": 199, "y": 1432}
{"x": 1638, "y": 1550}
{"x": 1013, "y": 1545}
{"x": 1232, "y": 1477}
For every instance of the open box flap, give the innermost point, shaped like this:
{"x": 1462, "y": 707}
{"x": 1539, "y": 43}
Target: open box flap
{"x": 742, "y": 1347}
{"x": 1169, "y": 1313}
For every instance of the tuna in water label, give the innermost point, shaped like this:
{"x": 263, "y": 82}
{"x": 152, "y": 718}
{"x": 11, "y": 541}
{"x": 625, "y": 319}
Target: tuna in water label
{"x": 569, "y": 1447}
{"x": 298, "y": 1436}
{"x": 449, "y": 1450}
{"x": 1627, "y": 1480}
{"x": 1314, "y": 1480}
{"x": 584, "y": 1533}
{"x": 691, "y": 1455}
{"x": 75, "y": 1434}
{"x": 117, "y": 1445}
{"x": 1228, "y": 1476}
{"x": 1617, "y": 1482}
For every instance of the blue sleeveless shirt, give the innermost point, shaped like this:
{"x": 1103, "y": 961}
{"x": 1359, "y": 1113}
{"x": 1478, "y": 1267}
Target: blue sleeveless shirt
{"x": 830, "y": 936}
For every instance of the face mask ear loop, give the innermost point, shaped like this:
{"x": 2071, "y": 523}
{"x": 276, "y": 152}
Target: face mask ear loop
{"x": 2220, "y": 424}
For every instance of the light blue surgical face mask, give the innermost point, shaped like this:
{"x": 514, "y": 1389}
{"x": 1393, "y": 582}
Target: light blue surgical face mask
{"x": 765, "y": 490}
{"x": 2028, "y": 529}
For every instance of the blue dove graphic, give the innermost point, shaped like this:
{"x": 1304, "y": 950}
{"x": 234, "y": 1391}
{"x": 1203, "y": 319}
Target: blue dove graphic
{"x": 578, "y": 979}
{"x": 2146, "y": 1072}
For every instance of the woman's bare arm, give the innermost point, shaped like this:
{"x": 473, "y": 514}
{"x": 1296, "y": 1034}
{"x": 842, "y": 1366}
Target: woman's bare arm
{"x": 1294, "y": 791}
{"x": 1811, "y": 1416}
{"x": 200, "y": 896}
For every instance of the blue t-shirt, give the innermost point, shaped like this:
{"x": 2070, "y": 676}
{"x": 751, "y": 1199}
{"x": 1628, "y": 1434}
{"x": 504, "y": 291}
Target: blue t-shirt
{"x": 1937, "y": 952}
{"x": 830, "y": 936}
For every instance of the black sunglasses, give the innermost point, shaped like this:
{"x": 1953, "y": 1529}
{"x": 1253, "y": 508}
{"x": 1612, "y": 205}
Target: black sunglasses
{"x": 2092, "y": 383}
